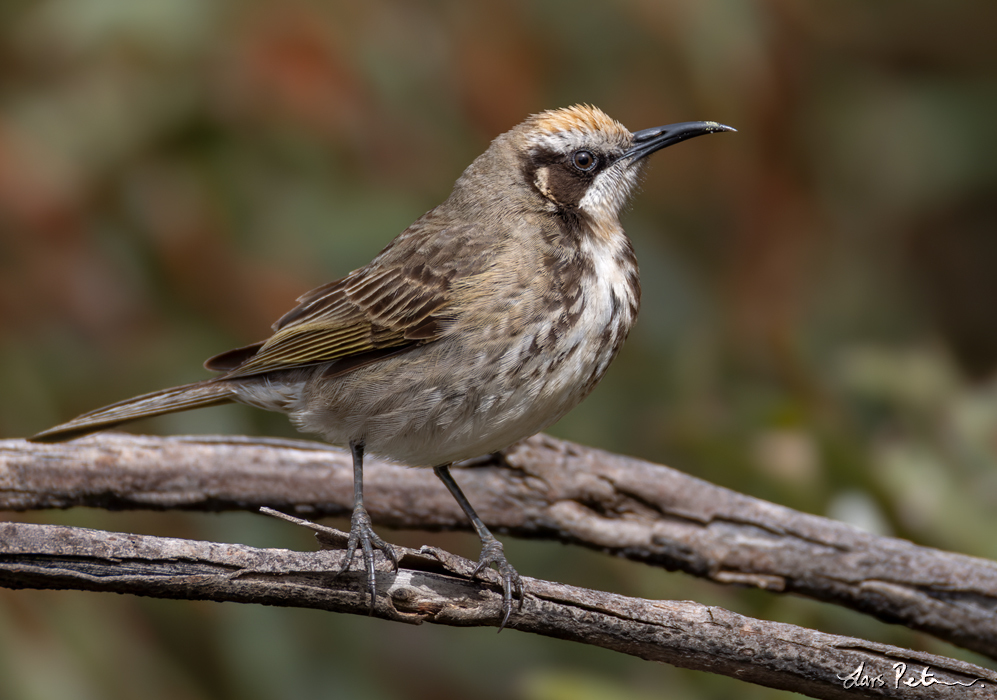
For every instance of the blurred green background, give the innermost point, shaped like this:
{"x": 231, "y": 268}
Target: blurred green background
{"x": 818, "y": 325}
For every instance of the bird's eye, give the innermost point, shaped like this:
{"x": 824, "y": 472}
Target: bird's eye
{"x": 583, "y": 160}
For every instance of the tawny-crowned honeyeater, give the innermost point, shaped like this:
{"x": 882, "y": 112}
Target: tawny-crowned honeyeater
{"x": 482, "y": 323}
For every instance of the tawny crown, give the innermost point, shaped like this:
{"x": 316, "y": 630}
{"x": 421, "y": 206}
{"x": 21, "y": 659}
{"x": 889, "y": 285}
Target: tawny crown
{"x": 563, "y": 130}
{"x": 583, "y": 118}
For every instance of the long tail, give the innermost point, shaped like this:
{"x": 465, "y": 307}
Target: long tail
{"x": 178, "y": 398}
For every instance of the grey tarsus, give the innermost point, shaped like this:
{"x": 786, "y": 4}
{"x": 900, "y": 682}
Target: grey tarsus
{"x": 492, "y": 551}
{"x": 362, "y": 533}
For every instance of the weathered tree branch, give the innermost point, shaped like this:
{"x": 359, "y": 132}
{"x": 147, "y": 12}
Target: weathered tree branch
{"x": 426, "y": 589}
{"x": 541, "y": 487}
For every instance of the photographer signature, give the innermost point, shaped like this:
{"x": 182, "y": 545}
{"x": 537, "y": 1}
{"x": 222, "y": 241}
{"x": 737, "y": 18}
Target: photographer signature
{"x": 860, "y": 679}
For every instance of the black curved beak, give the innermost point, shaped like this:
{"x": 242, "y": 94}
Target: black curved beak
{"x": 647, "y": 141}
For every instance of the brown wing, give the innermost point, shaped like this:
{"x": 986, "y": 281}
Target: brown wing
{"x": 401, "y": 299}
{"x": 359, "y": 314}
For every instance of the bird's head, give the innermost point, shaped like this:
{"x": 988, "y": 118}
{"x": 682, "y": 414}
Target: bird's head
{"x": 578, "y": 160}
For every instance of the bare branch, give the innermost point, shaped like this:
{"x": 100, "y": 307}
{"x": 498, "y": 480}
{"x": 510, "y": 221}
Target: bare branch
{"x": 539, "y": 488}
{"x": 437, "y": 590}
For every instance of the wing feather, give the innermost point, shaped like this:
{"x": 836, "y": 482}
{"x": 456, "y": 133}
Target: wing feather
{"x": 402, "y": 298}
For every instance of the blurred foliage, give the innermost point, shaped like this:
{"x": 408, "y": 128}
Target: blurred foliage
{"x": 817, "y": 327}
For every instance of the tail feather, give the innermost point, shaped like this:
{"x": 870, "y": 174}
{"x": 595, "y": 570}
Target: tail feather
{"x": 178, "y": 398}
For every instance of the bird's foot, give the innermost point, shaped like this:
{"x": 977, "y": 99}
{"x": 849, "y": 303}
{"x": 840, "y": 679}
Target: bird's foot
{"x": 493, "y": 553}
{"x": 362, "y": 535}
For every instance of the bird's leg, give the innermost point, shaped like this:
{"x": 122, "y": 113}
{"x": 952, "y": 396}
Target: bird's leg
{"x": 361, "y": 531}
{"x": 491, "y": 548}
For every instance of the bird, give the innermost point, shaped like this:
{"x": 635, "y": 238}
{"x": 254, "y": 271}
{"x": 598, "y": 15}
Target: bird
{"x": 481, "y": 324}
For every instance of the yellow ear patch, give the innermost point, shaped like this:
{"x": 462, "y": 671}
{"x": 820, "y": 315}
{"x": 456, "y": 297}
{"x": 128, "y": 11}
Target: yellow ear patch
{"x": 541, "y": 180}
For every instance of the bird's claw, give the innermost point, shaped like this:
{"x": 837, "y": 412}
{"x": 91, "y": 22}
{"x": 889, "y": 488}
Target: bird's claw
{"x": 362, "y": 536}
{"x": 492, "y": 553}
